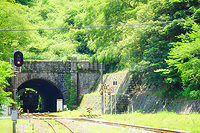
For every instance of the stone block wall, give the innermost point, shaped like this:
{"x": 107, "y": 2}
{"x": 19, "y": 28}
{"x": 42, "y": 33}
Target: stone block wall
{"x": 86, "y": 82}
{"x": 83, "y": 74}
{"x": 147, "y": 103}
{"x": 85, "y": 65}
{"x": 45, "y": 66}
{"x": 137, "y": 102}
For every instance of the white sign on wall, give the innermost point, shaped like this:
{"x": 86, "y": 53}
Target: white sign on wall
{"x": 14, "y": 115}
{"x": 5, "y": 112}
{"x": 59, "y": 104}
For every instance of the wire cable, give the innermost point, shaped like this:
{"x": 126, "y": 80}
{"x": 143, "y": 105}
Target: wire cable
{"x": 101, "y": 26}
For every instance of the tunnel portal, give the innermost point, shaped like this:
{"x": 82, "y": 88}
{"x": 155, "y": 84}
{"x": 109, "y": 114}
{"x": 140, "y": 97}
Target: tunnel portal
{"x": 48, "y": 91}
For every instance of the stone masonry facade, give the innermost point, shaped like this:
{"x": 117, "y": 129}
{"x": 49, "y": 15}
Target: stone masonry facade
{"x": 83, "y": 74}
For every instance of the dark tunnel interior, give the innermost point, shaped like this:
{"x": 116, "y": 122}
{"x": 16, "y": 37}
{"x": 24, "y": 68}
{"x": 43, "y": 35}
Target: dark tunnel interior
{"x": 47, "y": 90}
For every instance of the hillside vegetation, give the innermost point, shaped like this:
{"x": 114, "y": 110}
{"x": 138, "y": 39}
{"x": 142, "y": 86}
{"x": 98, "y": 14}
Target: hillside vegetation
{"x": 161, "y": 55}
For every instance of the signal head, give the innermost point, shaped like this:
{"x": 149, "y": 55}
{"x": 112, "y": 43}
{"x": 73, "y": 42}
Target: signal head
{"x": 18, "y": 59}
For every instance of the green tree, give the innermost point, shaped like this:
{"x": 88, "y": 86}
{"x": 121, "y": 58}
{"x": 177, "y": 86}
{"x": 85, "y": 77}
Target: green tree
{"x": 141, "y": 48}
{"x": 185, "y": 58}
{"x": 56, "y": 44}
{"x": 26, "y": 2}
{"x": 5, "y": 73}
{"x": 13, "y": 17}
{"x": 71, "y": 100}
{"x": 70, "y": 93}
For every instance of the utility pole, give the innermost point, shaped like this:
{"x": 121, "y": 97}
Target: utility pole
{"x": 18, "y": 62}
{"x": 14, "y": 105}
{"x": 111, "y": 105}
{"x": 102, "y": 110}
{"x": 115, "y": 83}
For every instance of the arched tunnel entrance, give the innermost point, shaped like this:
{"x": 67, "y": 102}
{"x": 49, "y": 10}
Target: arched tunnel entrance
{"x": 48, "y": 92}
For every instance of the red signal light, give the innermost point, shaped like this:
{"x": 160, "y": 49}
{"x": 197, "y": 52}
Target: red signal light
{"x": 18, "y": 62}
{"x": 18, "y": 59}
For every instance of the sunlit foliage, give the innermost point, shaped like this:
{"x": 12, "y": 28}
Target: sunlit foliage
{"x": 141, "y": 48}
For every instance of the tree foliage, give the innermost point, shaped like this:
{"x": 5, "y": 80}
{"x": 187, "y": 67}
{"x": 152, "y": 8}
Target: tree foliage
{"x": 5, "y": 73}
{"x": 185, "y": 58}
{"x": 141, "y": 48}
{"x": 12, "y": 18}
{"x": 70, "y": 93}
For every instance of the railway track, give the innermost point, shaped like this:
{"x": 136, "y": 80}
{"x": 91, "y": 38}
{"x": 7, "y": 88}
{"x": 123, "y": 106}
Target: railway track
{"x": 157, "y": 130}
{"x": 50, "y": 126}
{"x": 41, "y": 117}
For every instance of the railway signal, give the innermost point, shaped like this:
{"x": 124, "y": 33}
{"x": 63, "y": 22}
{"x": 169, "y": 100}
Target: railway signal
{"x": 18, "y": 62}
{"x": 18, "y": 59}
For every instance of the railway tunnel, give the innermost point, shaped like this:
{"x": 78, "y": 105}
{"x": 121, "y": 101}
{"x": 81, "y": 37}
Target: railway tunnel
{"x": 48, "y": 91}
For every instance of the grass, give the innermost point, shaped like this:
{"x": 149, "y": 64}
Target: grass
{"x": 30, "y": 128}
{"x": 163, "y": 119}
{"x": 6, "y": 125}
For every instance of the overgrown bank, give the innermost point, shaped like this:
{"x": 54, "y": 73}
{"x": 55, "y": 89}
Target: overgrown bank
{"x": 164, "y": 119}
{"x": 131, "y": 99}
{"x": 164, "y": 55}
{"x": 170, "y": 120}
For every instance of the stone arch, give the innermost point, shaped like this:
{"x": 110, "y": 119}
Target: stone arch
{"x": 56, "y": 78}
{"x": 23, "y": 77}
{"x": 47, "y": 89}
{"x": 55, "y": 81}
{"x": 83, "y": 75}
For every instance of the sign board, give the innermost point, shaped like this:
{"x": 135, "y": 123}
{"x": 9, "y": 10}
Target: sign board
{"x": 114, "y": 82}
{"x": 106, "y": 108}
{"x": 14, "y": 115}
{"x": 5, "y": 108}
{"x": 89, "y": 110}
{"x": 65, "y": 106}
{"x": 59, "y": 104}
{"x": 111, "y": 89}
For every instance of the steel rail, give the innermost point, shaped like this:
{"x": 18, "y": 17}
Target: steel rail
{"x": 46, "y": 122}
{"x": 158, "y": 130}
{"x": 50, "y": 125}
{"x": 51, "y": 118}
{"x": 65, "y": 125}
